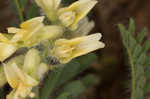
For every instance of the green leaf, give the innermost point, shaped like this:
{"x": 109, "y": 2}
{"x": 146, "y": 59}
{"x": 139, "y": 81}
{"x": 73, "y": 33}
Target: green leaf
{"x": 89, "y": 80}
{"x": 32, "y": 11}
{"x": 137, "y": 58}
{"x": 65, "y": 73}
{"x": 50, "y": 83}
{"x": 141, "y": 35}
{"x": 75, "y": 67}
{"x": 146, "y": 45}
{"x": 74, "y": 89}
{"x": 77, "y": 87}
{"x": 64, "y": 95}
{"x": 23, "y": 4}
{"x": 132, "y": 27}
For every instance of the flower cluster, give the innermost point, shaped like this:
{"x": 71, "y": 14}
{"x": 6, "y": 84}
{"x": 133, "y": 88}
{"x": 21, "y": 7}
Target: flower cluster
{"x": 64, "y": 38}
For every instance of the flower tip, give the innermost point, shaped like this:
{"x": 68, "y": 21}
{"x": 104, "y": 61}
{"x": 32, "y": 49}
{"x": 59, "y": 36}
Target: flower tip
{"x": 99, "y": 35}
{"x": 36, "y": 20}
{"x": 39, "y": 19}
{"x": 102, "y": 45}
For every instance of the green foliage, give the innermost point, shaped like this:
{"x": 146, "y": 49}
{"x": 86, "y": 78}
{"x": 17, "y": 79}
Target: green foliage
{"x": 24, "y": 9}
{"x": 138, "y": 59}
{"x": 75, "y": 88}
{"x": 32, "y": 11}
{"x": 65, "y": 73}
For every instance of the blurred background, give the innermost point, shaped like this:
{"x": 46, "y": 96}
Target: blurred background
{"x": 110, "y": 67}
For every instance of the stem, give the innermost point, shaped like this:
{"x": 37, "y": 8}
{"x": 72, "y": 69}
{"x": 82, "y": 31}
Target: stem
{"x": 19, "y": 10}
{"x": 132, "y": 73}
{"x": 50, "y": 83}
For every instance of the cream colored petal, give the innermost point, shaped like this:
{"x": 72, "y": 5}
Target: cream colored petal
{"x": 3, "y": 38}
{"x": 23, "y": 91}
{"x": 89, "y": 43}
{"x": 12, "y": 95}
{"x": 57, "y": 3}
{"x": 16, "y": 76}
{"x": 85, "y": 48}
{"x": 13, "y": 30}
{"x": 51, "y": 32}
{"x": 67, "y": 18}
{"x": 93, "y": 37}
{"x": 83, "y": 7}
{"x": 65, "y": 60}
{"x": 30, "y": 81}
{"x": 17, "y": 38}
{"x": 13, "y": 75}
{"x": 39, "y": 2}
{"x": 6, "y": 50}
{"x": 42, "y": 69}
{"x": 31, "y": 62}
{"x": 48, "y": 3}
{"x": 32, "y": 23}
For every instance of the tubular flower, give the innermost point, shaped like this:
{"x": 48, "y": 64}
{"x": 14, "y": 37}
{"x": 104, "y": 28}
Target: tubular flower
{"x": 70, "y": 16}
{"x": 20, "y": 82}
{"x": 49, "y": 7}
{"x": 7, "y": 48}
{"x": 65, "y": 50}
{"x": 30, "y": 33}
{"x": 33, "y": 31}
{"x": 23, "y": 80}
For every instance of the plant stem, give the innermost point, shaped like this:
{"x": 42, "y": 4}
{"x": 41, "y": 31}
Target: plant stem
{"x": 19, "y": 10}
{"x": 133, "y": 73}
{"x": 50, "y": 84}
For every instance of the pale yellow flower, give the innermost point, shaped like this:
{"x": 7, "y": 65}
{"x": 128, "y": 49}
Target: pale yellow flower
{"x": 7, "y": 48}
{"x": 42, "y": 69}
{"x": 70, "y": 16}
{"x": 65, "y": 50}
{"x": 33, "y": 66}
{"x": 50, "y": 7}
{"x": 30, "y": 33}
{"x": 20, "y": 82}
{"x": 23, "y": 78}
{"x": 17, "y": 60}
{"x": 32, "y": 62}
{"x": 48, "y": 4}
{"x": 33, "y": 31}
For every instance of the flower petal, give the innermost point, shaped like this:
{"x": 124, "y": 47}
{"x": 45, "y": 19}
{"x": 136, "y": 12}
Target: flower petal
{"x": 51, "y": 32}
{"x": 13, "y": 30}
{"x": 31, "y": 61}
{"x": 32, "y": 23}
{"x": 83, "y": 8}
{"x": 3, "y": 38}
{"x": 16, "y": 76}
{"x": 13, "y": 75}
{"x": 89, "y": 43}
{"x": 6, "y": 50}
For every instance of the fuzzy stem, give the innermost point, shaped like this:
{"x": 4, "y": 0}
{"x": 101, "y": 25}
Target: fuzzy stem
{"x": 132, "y": 73}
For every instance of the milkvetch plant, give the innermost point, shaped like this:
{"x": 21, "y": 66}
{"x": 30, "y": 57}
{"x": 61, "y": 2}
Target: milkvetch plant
{"x": 65, "y": 50}
{"x": 68, "y": 16}
{"x": 47, "y": 47}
